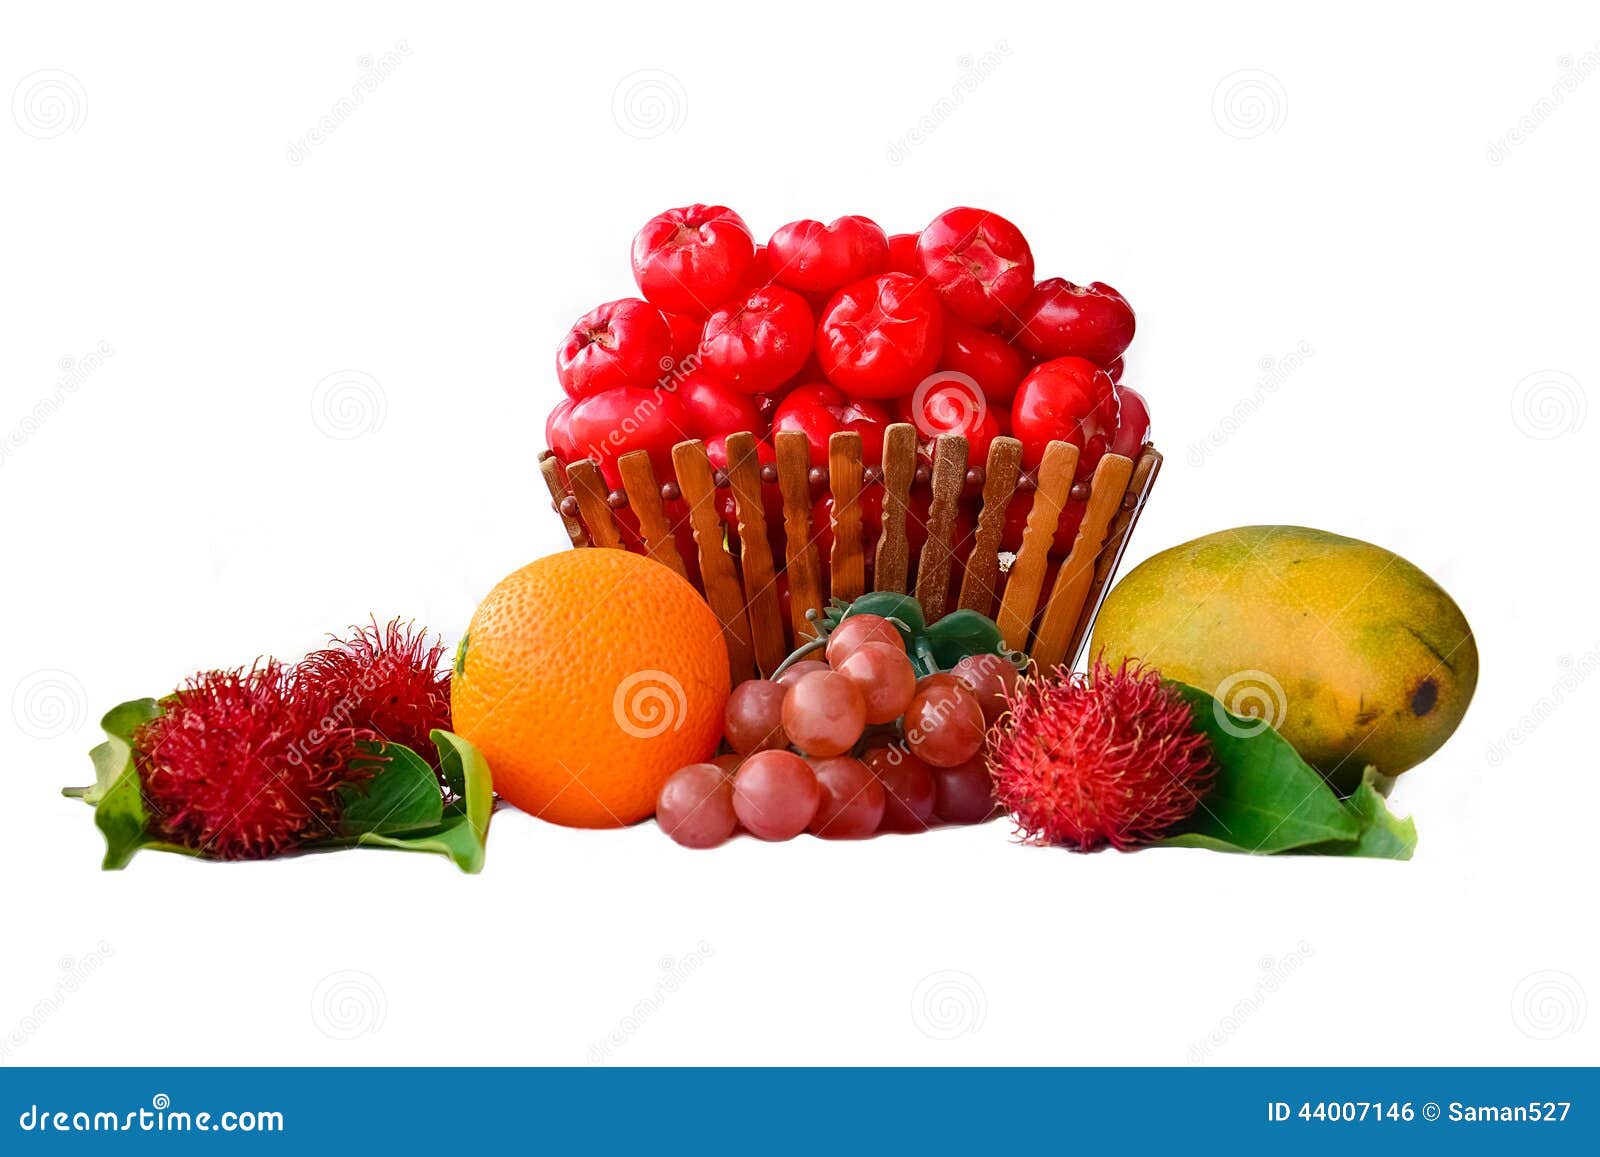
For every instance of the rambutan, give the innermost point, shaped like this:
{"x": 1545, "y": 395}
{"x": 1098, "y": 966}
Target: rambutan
{"x": 1108, "y": 757}
{"x": 393, "y": 681}
{"x": 247, "y": 763}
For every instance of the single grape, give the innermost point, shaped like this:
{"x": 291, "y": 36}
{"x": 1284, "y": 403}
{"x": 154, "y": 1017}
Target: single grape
{"x": 753, "y": 718}
{"x": 990, "y": 678}
{"x": 964, "y": 794}
{"x": 944, "y": 725}
{"x": 885, "y": 676}
{"x": 695, "y": 806}
{"x": 775, "y": 795}
{"x": 908, "y": 789}
{"x": 939, "y": 679}
{"x": 852, "y": 799}
{"x": 858, "y": 629}
{"x": 823, "y": 713}
{"x": 804, "y": 667}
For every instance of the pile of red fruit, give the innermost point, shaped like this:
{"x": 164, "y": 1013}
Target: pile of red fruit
{"x": 842, "y": 327}
{"x": 846, "y": 748}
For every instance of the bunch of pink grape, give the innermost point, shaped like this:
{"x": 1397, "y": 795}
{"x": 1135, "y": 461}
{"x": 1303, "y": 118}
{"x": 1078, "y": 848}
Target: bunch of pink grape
{"x": 846, "y": 748}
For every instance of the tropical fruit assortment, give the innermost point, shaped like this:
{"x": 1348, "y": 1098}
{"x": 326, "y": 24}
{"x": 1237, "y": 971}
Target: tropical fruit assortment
{"x": 1254, "y": 690}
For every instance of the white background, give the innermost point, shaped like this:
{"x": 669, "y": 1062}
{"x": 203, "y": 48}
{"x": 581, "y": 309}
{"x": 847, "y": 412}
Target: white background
{"x": 1252, "y": 179}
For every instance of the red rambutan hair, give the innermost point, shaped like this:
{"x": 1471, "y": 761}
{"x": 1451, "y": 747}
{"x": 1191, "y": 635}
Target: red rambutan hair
{"x": 393, "y": 681}
{"x": 247, "y": 763}
{"x": 1110, "y": 757}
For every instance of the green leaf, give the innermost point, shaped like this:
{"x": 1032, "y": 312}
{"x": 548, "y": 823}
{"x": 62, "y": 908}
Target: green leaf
{"x": 463, "y": 834}
{"x": 1266, "y": 799}
{"x": 402, "y": 796}
{"x": 126, "y": 718}
{"x": 120, "y": 813}
{"x": 962, "y": 633}
{"x": 1383, "y": 834}
{"x": 118, "y": 800}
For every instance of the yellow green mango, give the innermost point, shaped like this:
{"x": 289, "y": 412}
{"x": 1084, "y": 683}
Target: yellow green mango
{"x": 1355, "y": 655}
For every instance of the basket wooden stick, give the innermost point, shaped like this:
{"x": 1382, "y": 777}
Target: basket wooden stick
{"x": 739, "y": 575}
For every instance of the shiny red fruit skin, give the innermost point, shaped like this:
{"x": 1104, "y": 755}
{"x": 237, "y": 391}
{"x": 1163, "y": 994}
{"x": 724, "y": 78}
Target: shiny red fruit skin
{"x": 816, "y": 259}
{"x": 980, "y": 263}
{"x": 695, "y": 807}
{"x": 556, "y": 435}
{"x": 1133, "y": 423}
{"x": 903, "y": 254}
{"x": 990, "y": 678}
{"x": 880, "y": 336}
{"x": 855, "y": 632}
{"x": 754, "y": 699}
{"x": 620, "y": 343}
{"x": 885, "y": 676}
{"x": 947, "y": 403}
{"x": 1114, "y": 368}
{"x": 820, "y": 409}
{"x": 824, "y": 714}
{"x": 987, "y": 358}
{"x": 799, "y": 671}
{"x": 691, "y": 260}
{"x": 852, "y": 800}
{"x": 1070, "y": 399}
{"x": 963, "y": 794}
{"x": 713, "y": 409}
{"x": 768, "y": 772}
{"x": 1061, "y": 319}
{"x": 686, "y": 331}
{"x": 608, "y": 425}
{"x": 944, "y": 725}
{"x": 757, "y": 342}
{"x": 908, "y": 789}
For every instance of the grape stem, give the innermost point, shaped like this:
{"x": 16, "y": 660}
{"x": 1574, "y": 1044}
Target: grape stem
{"x": 812, "y": 646}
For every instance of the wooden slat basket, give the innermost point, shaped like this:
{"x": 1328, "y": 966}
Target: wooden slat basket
{"x": 737, "y": 571}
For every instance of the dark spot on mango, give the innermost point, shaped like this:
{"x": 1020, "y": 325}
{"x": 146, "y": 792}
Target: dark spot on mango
{"x": 1424, "y": 698}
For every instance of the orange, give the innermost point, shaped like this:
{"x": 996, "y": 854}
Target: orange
{"x": 586, "y": 679}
